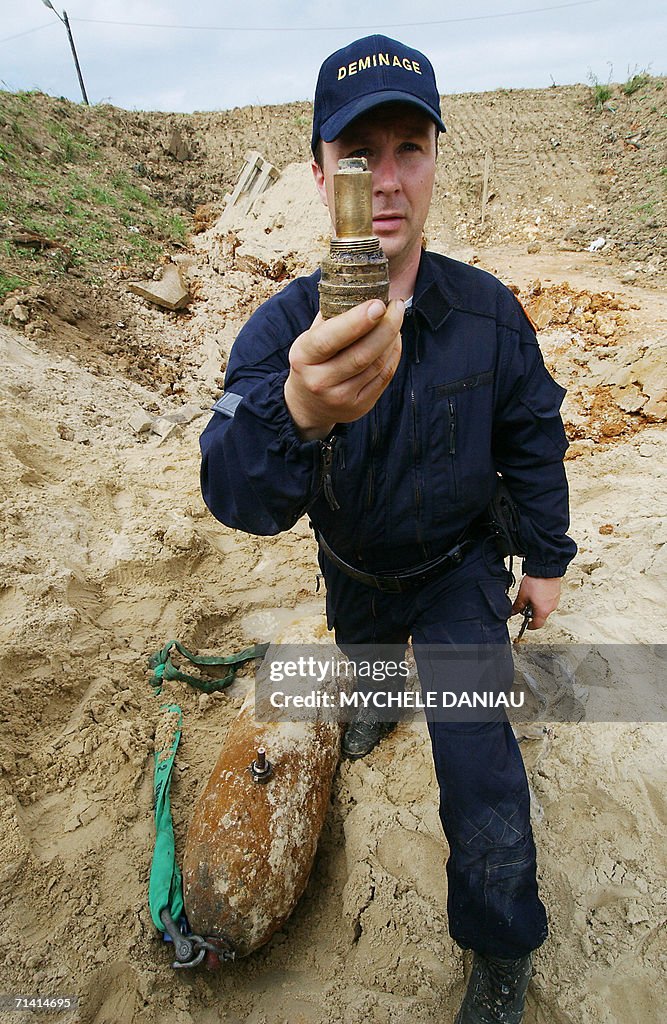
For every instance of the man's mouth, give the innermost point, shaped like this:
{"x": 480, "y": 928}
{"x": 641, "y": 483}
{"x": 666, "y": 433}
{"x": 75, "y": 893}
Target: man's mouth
{"x": 384, "y": 222}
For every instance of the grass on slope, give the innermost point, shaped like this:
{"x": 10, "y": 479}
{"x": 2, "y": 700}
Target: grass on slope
{"x": 56, "y": 183}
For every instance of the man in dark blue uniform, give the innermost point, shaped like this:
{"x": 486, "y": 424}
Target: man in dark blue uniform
{"x": 389, "y": 426}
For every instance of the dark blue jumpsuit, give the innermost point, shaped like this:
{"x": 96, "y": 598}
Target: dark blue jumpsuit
{"x": 471, "y": 398}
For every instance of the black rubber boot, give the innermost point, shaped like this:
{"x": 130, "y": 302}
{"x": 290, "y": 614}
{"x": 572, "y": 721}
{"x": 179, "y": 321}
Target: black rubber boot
{"x": 496, "y": 992}
{"x": 364, "y": 733}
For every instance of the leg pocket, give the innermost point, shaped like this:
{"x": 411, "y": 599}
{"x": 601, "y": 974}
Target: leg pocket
{"x": 497, "y": 610}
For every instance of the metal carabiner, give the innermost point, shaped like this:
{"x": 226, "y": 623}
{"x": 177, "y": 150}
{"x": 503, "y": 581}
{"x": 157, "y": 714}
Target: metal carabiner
{"x": 186, "y": 947}
{"x": 191, "y": 949}
{"x": 197, "y": 957}
{"x": 527, "y": 616}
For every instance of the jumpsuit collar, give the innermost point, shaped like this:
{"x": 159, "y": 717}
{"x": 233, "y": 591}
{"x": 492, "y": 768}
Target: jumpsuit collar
{"x": 433, "y": 299}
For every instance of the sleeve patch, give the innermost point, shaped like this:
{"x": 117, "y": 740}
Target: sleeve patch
{"x": 227, "y": 404}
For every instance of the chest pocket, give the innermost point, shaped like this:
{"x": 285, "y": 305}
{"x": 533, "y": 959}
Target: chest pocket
{"x": 459, "y": 442}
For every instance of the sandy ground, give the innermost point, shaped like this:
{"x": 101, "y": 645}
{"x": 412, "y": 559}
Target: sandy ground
{"x": 108, "y": 552}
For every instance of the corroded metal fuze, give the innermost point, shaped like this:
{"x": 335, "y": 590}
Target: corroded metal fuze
{"x": 261, "y": 768}
{"x": 356, "y": 268}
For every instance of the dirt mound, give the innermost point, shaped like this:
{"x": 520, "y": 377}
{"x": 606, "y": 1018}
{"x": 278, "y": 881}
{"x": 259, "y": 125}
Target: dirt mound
{"x": 116, "y": 187}
{"x": 615, "y": 381}
{"x": 560, "y": 170}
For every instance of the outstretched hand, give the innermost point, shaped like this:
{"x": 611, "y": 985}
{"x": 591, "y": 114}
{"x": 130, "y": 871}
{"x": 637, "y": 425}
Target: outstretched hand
{"x": 340, "y": 367}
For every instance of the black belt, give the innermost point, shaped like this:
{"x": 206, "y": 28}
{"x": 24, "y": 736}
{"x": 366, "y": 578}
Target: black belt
{"x": 406, "y": 579}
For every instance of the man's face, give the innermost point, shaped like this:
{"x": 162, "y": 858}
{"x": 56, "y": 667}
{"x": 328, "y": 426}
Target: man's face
{"x": 399, "y": 143}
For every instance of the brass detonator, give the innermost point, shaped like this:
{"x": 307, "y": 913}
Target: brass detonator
{"x": 356, "y": 268}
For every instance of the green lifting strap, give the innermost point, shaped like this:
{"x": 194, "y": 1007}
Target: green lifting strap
{"x": 165, "y": 887}
{"x": 164, "y": 669}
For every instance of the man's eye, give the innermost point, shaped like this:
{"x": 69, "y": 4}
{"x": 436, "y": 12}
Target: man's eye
{"x": 359, "y": 153}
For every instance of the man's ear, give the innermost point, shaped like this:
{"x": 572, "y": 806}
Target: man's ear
{"x": 318, "y": 175}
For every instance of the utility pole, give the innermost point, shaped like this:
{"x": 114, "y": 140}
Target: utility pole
{"x": 65, "y": 21}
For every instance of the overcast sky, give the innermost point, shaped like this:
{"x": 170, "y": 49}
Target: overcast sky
{"x": 223, "y": 55}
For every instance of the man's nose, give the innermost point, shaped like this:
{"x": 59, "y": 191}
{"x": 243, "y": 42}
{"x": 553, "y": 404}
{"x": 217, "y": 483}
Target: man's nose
{"x": 385, "y": 175}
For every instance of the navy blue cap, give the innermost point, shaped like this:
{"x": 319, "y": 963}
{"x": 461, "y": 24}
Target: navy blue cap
{"x": 363, "y": 75}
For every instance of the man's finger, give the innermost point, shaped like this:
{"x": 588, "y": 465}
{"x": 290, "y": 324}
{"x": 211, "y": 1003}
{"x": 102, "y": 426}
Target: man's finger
{"x": 355, "y": 384}
{"x": 380, "y": 376}
{"x": 329, "y": 337}
{"x": 369, "y": 351}
{"x": 365, "y": 388}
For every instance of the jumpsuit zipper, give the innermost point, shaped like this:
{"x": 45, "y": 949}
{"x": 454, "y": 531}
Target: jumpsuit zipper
{"x": 419, "y": 535}
{"x": 417, "y": 460}
{"x": 374, "y": 438}
{"x": 370, "y": 486}
{"x": 452, "y": 444}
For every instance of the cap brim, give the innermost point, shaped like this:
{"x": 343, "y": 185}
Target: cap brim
{"x": 335, "y": 124}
